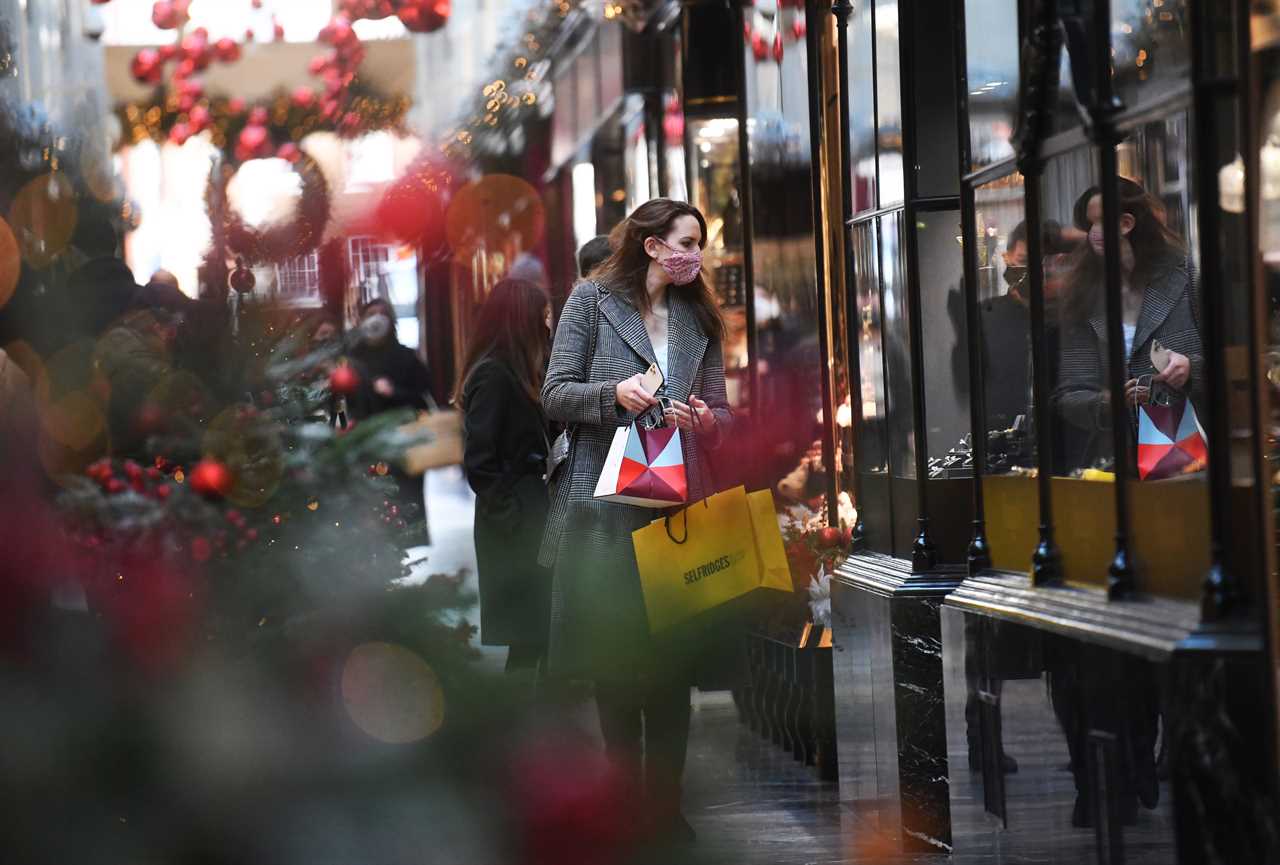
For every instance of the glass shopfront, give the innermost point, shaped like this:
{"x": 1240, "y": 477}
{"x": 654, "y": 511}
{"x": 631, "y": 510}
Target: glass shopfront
{"x": 1055, "y": 347}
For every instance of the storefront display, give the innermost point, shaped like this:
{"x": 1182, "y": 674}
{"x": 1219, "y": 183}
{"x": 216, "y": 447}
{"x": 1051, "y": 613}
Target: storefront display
{"x": 1058, "y": 516}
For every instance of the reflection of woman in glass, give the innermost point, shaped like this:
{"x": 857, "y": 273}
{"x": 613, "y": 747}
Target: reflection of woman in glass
{"x": 1159, "y": 312}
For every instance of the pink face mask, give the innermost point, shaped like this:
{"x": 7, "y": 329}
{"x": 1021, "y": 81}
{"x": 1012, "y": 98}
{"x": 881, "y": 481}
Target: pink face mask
{"x": 1095, "y": 238}
{"x": 682, "y": 266}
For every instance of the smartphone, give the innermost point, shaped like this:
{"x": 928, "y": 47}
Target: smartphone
{"x": 652, "y": 379}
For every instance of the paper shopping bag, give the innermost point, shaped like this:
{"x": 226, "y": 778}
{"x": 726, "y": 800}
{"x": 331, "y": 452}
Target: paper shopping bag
{"x": 697, "y": 559}
{"x": 1171, "y": 441}
{"x": 775, "y": 570}
{"x": 644, "y": 467}
{"x": 442, "y": 431}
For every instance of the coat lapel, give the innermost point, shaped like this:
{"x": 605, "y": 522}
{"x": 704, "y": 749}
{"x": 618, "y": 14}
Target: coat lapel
{"x": 1158, "y": 300}
{"x": 686, "y": 346}
{"x": 629, "y": 323}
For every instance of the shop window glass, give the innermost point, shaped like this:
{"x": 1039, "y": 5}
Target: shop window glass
{"x": 897, "y": 348}
{"x": 868, "y": 340}
{"x": 936, "y": 164}
{"x": 713, "y": 162}
{"x": 942, "y": 325}
{"x": 991, "y": 45}
{"x": 862, "y": 113}
{"x": 1081, "y": 457}
{"x": 785, "y": 281}
{"x": 1004, "y": 320}
{"x": 1150, "y": 48}
{"x": 888, "y": 103}
{"x": 1170, "y": 495}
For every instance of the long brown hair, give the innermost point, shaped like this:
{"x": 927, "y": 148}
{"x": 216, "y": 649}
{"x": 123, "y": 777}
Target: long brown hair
{"x": 511, "y": 328}
{"x": 624, "y": 271}
{"x": 1154, "y": 244}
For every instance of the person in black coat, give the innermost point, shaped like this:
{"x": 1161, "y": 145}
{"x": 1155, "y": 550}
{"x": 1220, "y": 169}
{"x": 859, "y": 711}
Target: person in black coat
{"x": 392, "y": 376}
{"x": 505, "y": 454}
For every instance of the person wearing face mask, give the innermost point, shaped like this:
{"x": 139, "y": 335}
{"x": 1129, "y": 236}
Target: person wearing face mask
{"x": 1159, "y": 306}
{"x": 1006, "y": 326}
{"x": 648, "y": 303}
{"x": 392, "y": 376}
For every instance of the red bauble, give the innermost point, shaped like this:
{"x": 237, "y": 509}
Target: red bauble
{"x": 759, "y": 49}
{"x": 319, "y": 64}
{"x": 199, "y": 118}
{"x": 303, "y": 97}
{"x": 257, "y": 4}
{"x": 777, "y": 47}
{"x": 289, "y": 152}
{"x": 411, "y": 212}
{"x": 829, "y": 535}
{"x": 168, "y": 52}
{"x": 242, "y": 279}
{"x": 227, "y": 49}
{"x": 254, "y": 143}
{"x": 201, "y": 549}
{"x": 164, "y": 15}
{"x": 185, "y": 69}
{"x": 147, "y": 66}
{"x": 210, "y": 478}
{"x": 179, "y": 133}
{"x": 343, "y": 380}
{"x": 258, "y": 116}
{"x": 277, "y": 30}
{"x": 236, "y": 105}
{"x": 424, "y": 16}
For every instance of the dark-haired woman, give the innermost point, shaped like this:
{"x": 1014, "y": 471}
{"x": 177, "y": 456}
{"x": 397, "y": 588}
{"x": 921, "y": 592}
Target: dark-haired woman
{"x": 505, "y": 456}
{"x": 1159, "y": 302}
{"x": 1159, "y": 305}
{"x": 647, "y": 303}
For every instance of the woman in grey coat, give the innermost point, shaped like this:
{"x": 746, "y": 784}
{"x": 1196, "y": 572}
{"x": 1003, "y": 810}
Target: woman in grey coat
{"x": 1160, "y": 306}
{"x": 648, "y": 303}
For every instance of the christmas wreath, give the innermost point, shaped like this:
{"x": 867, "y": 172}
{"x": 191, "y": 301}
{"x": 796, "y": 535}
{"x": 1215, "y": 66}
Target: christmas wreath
{"x": 281, "y": 241}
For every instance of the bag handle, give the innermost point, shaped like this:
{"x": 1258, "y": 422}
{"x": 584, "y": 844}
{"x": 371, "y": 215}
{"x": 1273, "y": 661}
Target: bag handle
{"x": 711, "y": 487}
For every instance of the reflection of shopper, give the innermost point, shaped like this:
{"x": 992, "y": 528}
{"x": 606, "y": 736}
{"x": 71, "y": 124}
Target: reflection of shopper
{"x": 647, "y": 304}
{"x": 505, "y": 459}
{"x": 1158, "y": 304}
{"x": 1006, "y": 329}
{"x": 392, "y": 376}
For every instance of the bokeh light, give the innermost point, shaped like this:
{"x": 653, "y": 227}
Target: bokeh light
{"x": 250, "y": 447}
{"x": 43, "y": 218}
{"x": 494, "y": 211}
{"x": 10, "y": 263}
{"x": 391, "y": 694}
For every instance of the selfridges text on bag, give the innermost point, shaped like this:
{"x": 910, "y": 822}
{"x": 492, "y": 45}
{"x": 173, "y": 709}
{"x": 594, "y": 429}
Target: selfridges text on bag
{"x": 708, "y": 554}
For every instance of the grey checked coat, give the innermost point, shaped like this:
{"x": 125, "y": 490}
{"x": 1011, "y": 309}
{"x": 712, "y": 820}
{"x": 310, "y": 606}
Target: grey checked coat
{"x": 598, "y": 624}
{"x": 1168, "y": 314}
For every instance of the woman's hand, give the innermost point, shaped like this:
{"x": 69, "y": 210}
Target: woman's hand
{"x": 706, "y": 418}
{"x": 1134, "y": 393}
{"x": 1177, "y": 373}
{"x": 632, "y": 396}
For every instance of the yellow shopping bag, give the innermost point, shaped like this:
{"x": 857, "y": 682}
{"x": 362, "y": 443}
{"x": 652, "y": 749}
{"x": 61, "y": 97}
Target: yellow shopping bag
{"x": 707, "y": 555}
{"x": 775, "y": 570}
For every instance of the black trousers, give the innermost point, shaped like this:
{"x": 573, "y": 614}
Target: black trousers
{"x": 646, "y": 734}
